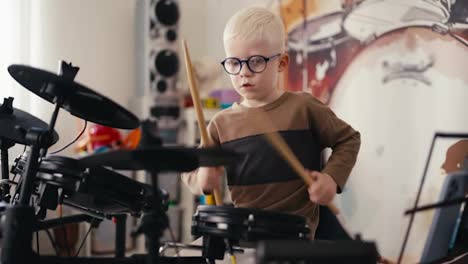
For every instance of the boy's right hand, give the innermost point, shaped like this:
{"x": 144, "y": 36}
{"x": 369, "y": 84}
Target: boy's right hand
{"x": 209, "y": 178}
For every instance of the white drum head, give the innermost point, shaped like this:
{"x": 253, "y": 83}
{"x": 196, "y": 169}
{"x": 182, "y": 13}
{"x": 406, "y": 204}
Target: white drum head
{"x": 398, "y": 91}
{"x": 373, "y": 18}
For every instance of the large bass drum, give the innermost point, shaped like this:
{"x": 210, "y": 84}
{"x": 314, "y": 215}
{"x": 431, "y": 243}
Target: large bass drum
{"x": 404, "y": 86}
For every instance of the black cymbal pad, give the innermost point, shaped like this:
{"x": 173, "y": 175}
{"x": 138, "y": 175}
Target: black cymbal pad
{"x": 15, "y": 125}
{"x": 77, "y": 99}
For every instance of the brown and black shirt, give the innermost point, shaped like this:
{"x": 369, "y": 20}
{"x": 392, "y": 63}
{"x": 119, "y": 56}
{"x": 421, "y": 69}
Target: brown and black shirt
{"x": 262, "y": 179}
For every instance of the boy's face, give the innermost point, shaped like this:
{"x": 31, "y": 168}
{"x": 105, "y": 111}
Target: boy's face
{"x": 257, "y": 89}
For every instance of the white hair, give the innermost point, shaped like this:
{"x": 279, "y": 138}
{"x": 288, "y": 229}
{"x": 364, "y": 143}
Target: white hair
{"x": 256, "y": 23}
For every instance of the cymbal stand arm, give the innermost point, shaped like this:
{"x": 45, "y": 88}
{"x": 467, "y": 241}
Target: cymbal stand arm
{"x": 53, "y": 120}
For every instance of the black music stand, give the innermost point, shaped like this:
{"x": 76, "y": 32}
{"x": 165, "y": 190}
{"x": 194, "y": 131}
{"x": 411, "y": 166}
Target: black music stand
{"x": 421, "y": 184}
{"x": 444, "y": 227}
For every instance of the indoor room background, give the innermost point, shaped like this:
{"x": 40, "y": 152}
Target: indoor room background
{"x": 392, "y": 69}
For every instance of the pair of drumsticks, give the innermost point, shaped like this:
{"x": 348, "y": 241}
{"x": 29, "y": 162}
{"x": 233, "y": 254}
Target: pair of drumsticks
{"x": 274, "y": 138}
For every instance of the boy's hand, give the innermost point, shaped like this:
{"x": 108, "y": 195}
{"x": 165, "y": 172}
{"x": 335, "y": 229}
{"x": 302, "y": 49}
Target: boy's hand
{"x": 209, "y": 178}
{"x": 323, "y": 189}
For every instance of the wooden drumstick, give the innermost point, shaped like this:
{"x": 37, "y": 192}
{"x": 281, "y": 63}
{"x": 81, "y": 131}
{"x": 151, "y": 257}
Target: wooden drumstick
{"x": 280, "y": 145}
{"x": 205, "y": 139}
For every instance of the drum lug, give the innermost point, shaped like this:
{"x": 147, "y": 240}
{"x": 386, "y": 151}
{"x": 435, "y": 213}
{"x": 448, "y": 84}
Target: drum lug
{"x": 440, "y": 28}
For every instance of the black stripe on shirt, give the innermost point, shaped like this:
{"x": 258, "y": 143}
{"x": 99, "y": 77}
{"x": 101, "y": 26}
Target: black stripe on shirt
{"x": 262, "y": 164}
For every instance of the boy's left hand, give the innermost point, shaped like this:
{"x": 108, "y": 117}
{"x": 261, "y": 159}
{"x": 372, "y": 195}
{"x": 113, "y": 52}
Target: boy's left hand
{"x": 323, "y": 189}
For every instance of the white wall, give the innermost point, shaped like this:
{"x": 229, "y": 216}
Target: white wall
{"x": 203, "y": 22}
{"x": 97, "y": 36}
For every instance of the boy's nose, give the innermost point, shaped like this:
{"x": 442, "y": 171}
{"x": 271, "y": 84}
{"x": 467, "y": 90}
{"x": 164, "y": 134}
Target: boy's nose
{"x": 245, "y": 71}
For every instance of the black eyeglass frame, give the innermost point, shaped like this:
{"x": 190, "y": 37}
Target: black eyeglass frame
{"x": 247, "y": 63}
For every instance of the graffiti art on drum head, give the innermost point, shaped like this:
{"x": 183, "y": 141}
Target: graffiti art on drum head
{"x": 398, "y": 91}
{"x": 396, "y": 71}
{"x": 317, "y": 62}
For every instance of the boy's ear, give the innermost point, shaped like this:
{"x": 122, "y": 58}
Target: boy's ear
{"x": 284, "y": 62}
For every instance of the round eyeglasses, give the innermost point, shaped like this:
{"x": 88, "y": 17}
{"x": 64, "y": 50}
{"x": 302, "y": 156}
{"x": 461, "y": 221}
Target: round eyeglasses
{"x": 256, "y": 64}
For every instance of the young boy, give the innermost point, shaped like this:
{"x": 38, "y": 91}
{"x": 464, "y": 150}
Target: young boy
{"x": 254, "y": 41}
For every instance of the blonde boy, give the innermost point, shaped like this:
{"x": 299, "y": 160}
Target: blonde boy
{"x": 254, "y": 42}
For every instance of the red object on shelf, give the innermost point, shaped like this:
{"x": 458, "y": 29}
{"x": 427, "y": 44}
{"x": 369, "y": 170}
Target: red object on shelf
{"x": 188, "y": 102}
{"x": 102, "y": 136}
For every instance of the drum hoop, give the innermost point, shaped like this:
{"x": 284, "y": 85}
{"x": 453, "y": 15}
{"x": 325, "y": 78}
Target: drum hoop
{"x": 373, "y": 2}
{"x": 319, "y": 17}
{"x": 442, "y": 23}
{"x": 255, "y": 212}
{"x": 236, "y": 220}
{"x": 323, "y": 43}
{"x": 247, "y": 233}
{"x": 435, "y": 27}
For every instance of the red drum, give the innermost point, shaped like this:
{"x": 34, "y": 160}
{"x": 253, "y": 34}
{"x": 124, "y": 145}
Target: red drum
{"x": 319, "y": 55}
{"x": 400, "y": 89}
